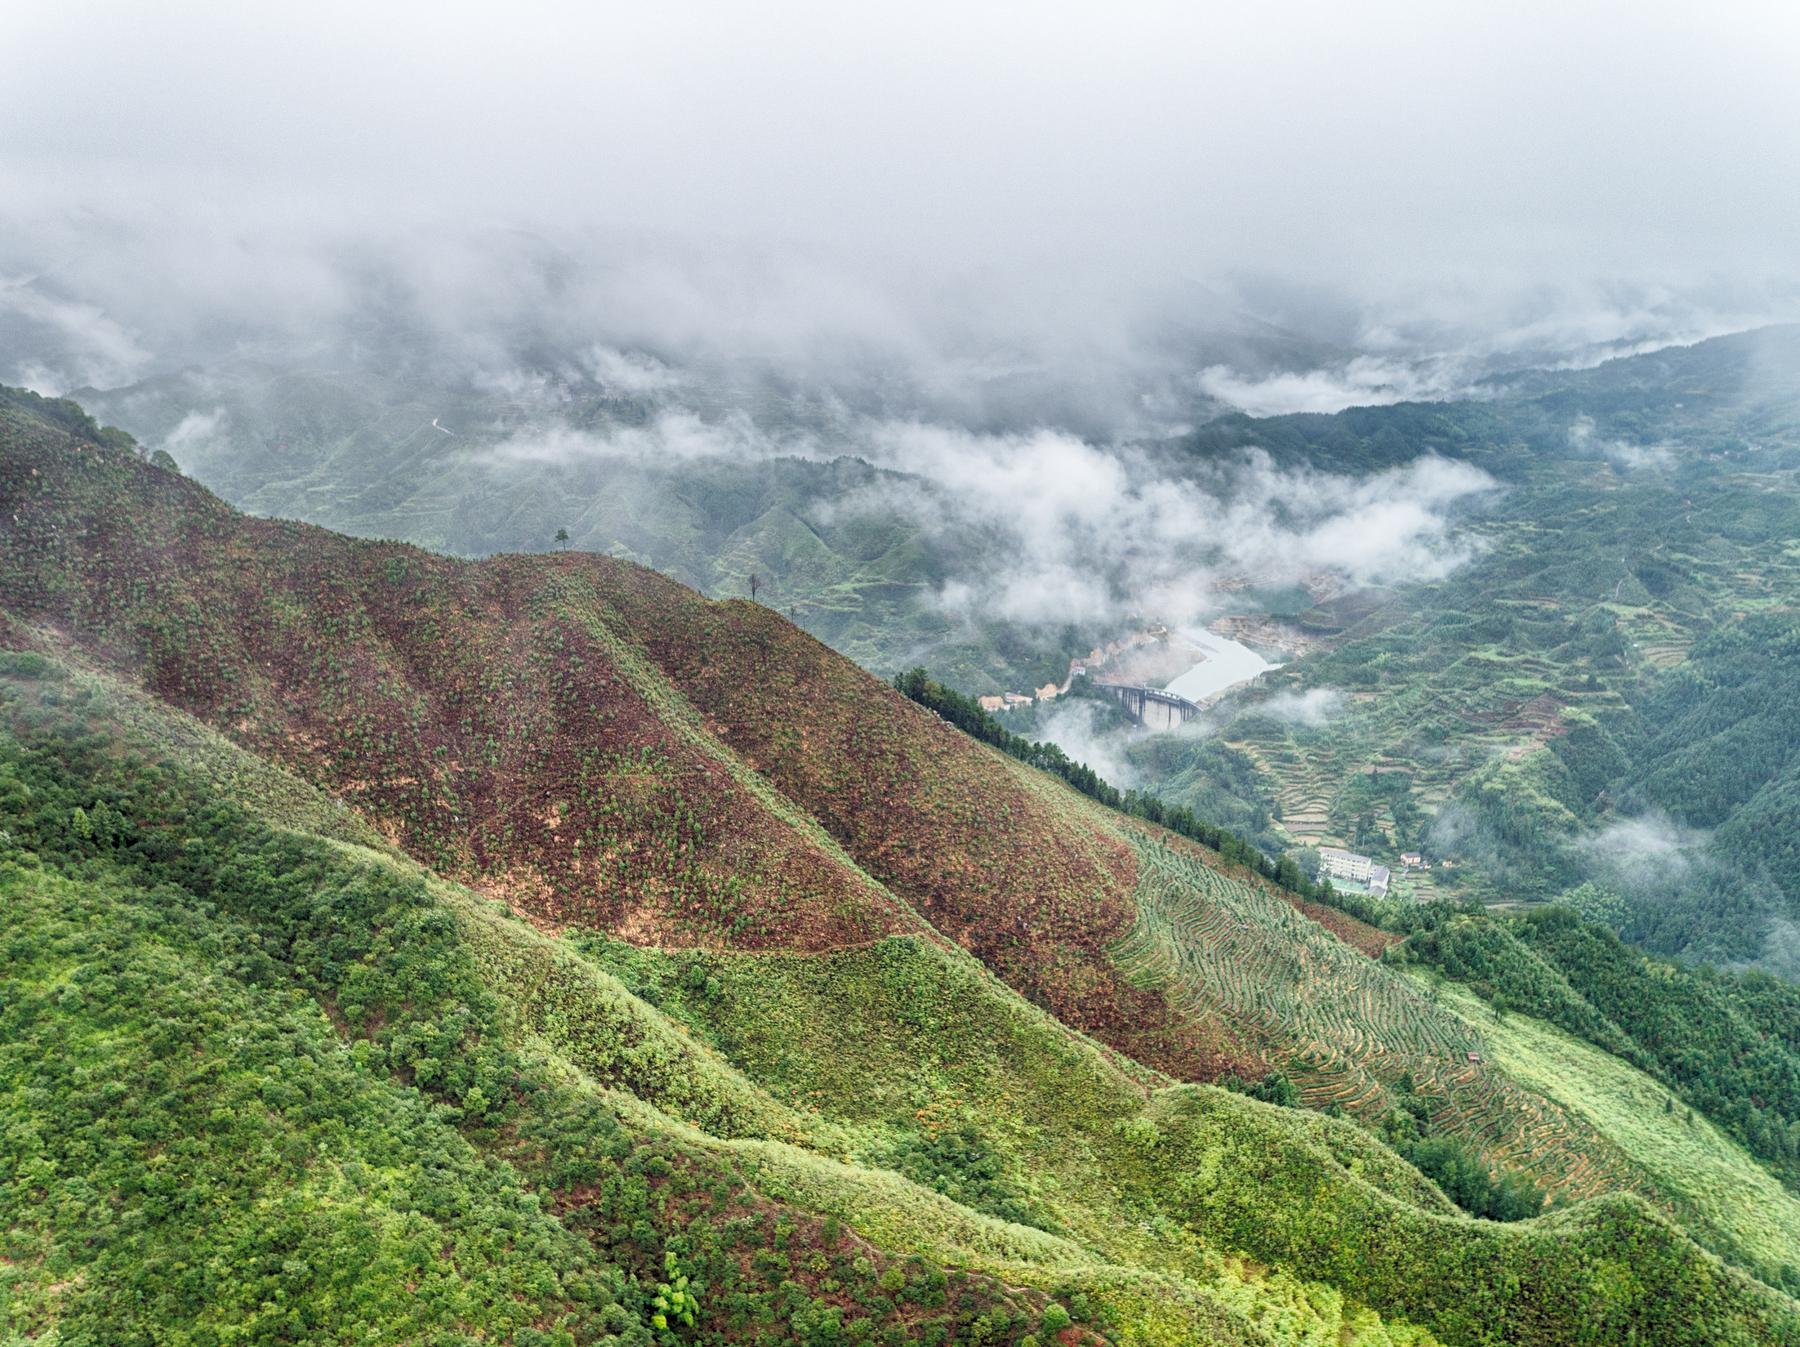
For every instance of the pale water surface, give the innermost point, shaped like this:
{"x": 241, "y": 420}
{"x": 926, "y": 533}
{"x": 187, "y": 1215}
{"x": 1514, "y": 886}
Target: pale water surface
{"x": 1227, "y": 664}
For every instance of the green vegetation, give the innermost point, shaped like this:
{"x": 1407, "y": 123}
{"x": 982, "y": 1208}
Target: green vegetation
{"x": 1620, "y": 642}
{"x": 1713, "y": 745}
{"x": 1452, "y": 1164}
{"x": 743, "y": 1000}
{"x": 1727, "y": 1044}
{"x": 1468, "y": 1182}
{"x": 219, "y": 1010}
{"x": 218, "y": 1164}
{"x": 893, "y": 1039}
{"x": 1715, "y": 1185}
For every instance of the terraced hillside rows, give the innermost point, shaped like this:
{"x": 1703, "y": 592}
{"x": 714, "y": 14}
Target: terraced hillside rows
{"x": 1344, "y": 1028}
{"x": 1711, "y": 1183}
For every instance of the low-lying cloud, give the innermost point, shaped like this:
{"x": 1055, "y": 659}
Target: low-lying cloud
{"x": 1313, "y": 708}
{"x": 1584, "y": 440}
{"x": 1644, "y": 856}
{"x": 1781, "y": 949}
{"x": 1074, "y": 726}
{"x": 672, "y": 437}
{"x": 198, "y": 435}
{"x": 1072, "y": 531}
{"x": 1091, "y": 531}
{"x": 1366, "y": 381}
{"x": 78, "y": 341}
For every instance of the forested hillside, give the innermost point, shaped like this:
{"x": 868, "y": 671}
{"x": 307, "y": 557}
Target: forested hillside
{"x": 533, "y": 951}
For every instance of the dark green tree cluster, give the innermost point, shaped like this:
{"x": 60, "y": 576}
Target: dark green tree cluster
{"x": 1453, "y": 1165}
{"x": 1273, "y": 1088}
{"x": 963, "y": 1165}
{"x": 1727, "y": 1044}
{"x": 66, "y": 415}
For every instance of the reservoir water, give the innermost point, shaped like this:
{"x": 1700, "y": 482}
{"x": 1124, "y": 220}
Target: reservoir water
{"x": 1227, "y": 664}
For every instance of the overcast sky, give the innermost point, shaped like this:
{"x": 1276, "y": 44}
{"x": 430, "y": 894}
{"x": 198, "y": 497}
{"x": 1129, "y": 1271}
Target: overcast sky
{"x": 1304, "y": 138}
{"x": 1584, "y": 172}
{"x": 980, "y": 202}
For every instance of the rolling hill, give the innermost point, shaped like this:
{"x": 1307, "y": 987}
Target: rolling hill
{"x": 1501, "y": 715}
{"x": 532, "y": 950}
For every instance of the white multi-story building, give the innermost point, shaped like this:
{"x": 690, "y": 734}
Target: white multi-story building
{"x": 1340, "y": 864}
{"x": 1336, "y": 863}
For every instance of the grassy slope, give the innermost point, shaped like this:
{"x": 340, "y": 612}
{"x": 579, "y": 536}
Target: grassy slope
{"x": 1314, "y": 1232}
{"x": 1717, "y": 1188}
{"x": 502, "y": 721}
{"x": 1037, "y": 891}
{"x": 1159, "y": 1196}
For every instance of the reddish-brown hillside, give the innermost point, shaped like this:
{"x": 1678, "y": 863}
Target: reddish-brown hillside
{"x": 1031, "y": 880}
{"x": 481, "y": 714}
{"x": 581, "y": 736}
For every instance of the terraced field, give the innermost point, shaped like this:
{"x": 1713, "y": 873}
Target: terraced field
{"x": 1499, "y": 706}
{"x": 1587, "y": 587}
{"x": 1344, "y": 1028}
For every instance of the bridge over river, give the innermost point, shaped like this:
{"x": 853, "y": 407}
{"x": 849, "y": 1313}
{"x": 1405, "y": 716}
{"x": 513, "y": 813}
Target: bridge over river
{"x": 1153, "y": 708}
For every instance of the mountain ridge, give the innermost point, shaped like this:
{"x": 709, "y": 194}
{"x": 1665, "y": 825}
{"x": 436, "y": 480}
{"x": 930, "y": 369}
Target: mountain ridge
{"x": 353, "y": 663}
